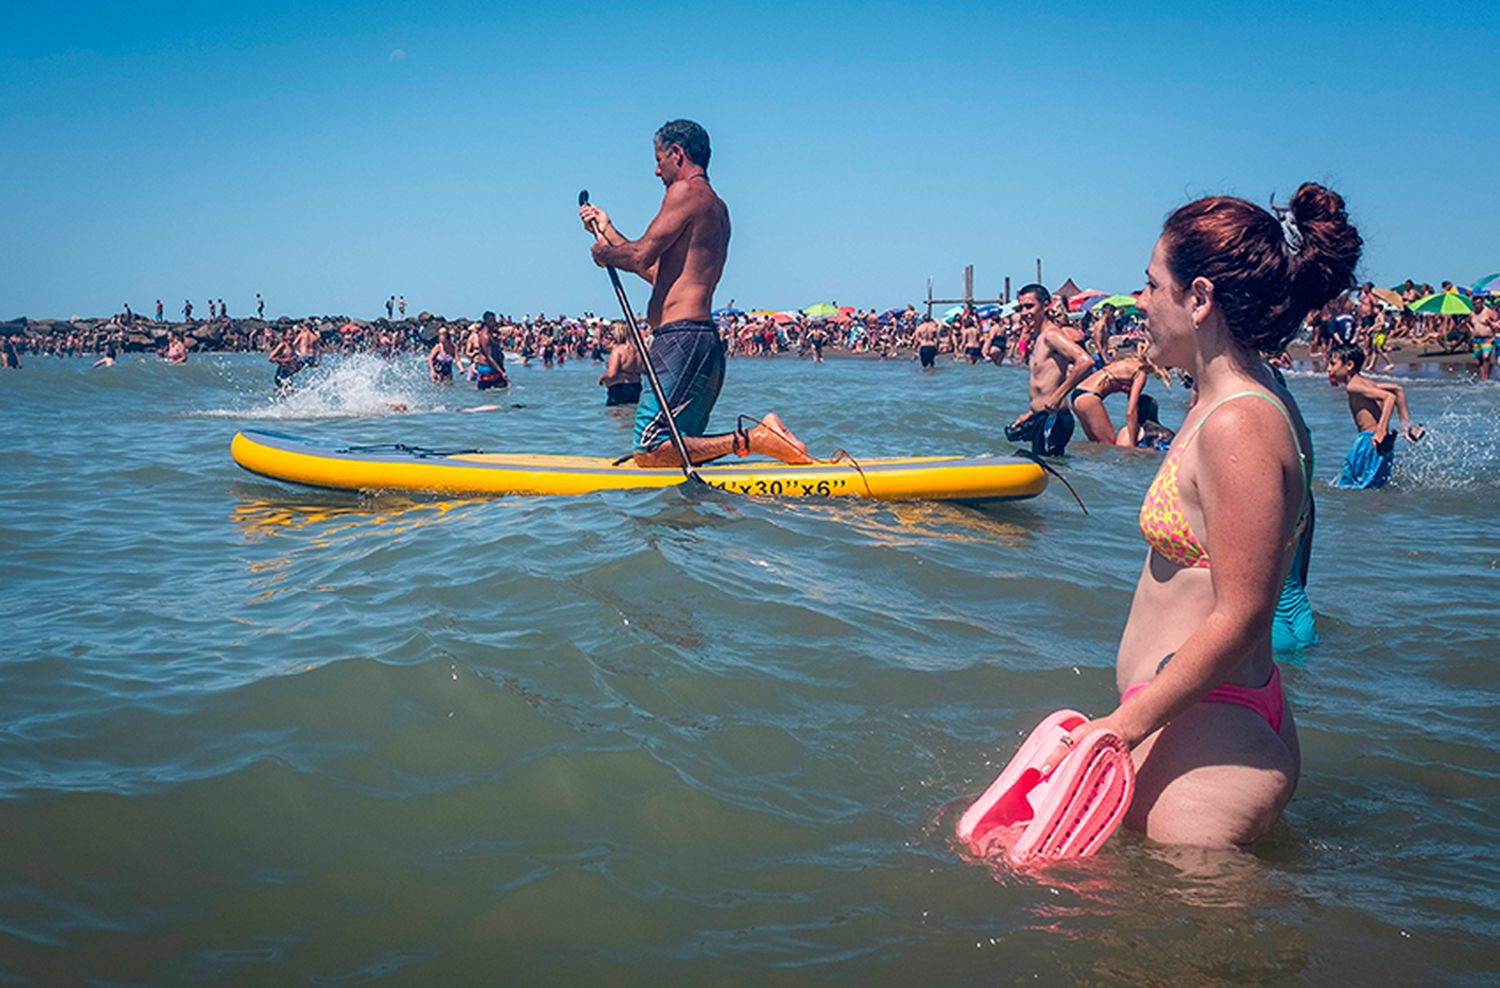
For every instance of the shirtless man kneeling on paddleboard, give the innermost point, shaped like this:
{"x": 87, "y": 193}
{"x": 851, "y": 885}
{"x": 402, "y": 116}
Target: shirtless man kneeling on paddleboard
{"x": 682, "y": 256}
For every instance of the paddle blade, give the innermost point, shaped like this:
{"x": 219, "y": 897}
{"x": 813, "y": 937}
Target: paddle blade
{"x": 583, "y": 198}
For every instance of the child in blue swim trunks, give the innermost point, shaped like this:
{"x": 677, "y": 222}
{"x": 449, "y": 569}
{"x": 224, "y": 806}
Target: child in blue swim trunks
{"x": 1369, "y": 462}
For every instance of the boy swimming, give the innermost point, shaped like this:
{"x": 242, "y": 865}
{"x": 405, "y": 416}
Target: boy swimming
{"x": 1368, "y": 464}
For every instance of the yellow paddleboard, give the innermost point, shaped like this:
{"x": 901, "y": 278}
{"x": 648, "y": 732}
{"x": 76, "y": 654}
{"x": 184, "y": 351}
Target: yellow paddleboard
{"x": 397, "y": 467}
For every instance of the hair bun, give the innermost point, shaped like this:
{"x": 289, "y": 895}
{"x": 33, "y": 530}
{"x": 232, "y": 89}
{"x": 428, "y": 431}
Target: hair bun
{"x": 1324, "y": 266}
{"x": 1314, "y": 203}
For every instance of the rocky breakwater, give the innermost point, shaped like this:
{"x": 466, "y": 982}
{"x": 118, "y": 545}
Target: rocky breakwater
{"x": 139, "y": 334}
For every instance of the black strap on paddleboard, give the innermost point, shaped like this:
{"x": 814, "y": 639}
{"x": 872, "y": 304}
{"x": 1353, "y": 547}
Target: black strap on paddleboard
{"x": 1027, "y": 454}
{"x": 420, "y": 452}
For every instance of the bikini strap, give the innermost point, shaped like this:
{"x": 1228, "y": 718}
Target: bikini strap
{"x": 1280, "y": 407}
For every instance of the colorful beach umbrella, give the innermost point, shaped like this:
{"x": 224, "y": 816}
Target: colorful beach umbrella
{"x": 1443, "y": 304}
{"x": 1079, "y": 301}
{"x": 727, "y": 312}
{"x": 821, "y": 309}
{"x": 1485, "y": 284}
{"x": 1120, "y": 303}
{"x": 1389, "y": 296}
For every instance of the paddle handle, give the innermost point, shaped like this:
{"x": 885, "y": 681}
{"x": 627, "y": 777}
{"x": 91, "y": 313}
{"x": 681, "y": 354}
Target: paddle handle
{"x": 640, "y": 344}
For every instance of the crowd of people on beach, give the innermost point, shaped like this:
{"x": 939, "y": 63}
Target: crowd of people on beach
{"x": 1355, "y": 333}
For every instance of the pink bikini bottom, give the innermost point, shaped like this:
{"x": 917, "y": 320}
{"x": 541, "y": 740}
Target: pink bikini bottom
{"x": 1267, "y": 700}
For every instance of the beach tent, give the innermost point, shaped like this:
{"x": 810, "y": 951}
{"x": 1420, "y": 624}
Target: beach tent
{"x": 1068, "y": 288}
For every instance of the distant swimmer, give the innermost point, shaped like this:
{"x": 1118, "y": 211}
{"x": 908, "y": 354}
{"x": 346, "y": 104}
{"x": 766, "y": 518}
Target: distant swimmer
{"x": 284, "y": 356}
{"x": 926, "y": 337}
{"x": 969, "y": 339}
{"x": 442, "y": 357}
{"x": 622, "y": 375}
{"x": 108, "y": 360}
{"x": 10, "y": 357}
{"x": 489, "y": 358}
{"x": 1058, "y": 364}
{"x": 996, "y": 341}
{"x": 308, "y": 344}
{"x": 1483, "y": 326}
{"x": 176, "y": 351}
{"x": 682, "y": 256}
{"x": 817, "y": 339}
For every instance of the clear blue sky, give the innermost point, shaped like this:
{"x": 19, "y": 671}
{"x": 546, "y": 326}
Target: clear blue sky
{"x": 332, "y": 155}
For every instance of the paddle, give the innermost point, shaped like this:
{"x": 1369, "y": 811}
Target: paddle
{"x": 640, "y": 344}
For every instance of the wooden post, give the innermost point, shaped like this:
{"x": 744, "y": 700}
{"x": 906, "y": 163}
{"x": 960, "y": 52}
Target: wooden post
{"x": 929, "y": 296}
{"x": 1006, "y": 295}
{"x": 969, "y": 283}
{"x": 1038, "y": 270}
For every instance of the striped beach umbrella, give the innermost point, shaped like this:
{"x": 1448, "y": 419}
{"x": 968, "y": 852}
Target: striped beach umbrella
{"x": 1443, "y": 304}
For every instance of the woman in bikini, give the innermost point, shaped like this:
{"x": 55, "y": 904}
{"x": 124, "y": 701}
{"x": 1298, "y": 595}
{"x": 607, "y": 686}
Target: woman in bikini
{"x": 1202, "y": 708}
{"x": 1124, "y": 376}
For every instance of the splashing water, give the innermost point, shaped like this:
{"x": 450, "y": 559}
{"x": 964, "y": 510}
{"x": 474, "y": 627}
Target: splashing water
{"x": 1461, "y": 448}
{"x": 358, "y": 386}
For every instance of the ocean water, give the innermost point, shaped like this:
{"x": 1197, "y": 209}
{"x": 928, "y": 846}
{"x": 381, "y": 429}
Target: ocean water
{"x": 253, "y": 734}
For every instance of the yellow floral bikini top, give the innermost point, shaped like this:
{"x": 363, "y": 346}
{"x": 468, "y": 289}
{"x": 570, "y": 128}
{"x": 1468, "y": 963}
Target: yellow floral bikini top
{"x": 1163, "y": 521}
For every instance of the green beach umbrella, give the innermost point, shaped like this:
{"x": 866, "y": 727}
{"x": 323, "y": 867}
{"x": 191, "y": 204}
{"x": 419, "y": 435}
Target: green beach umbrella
{"x": 1483, "y": 284}
{"x": 1117, "y": 302}
{"x": 1443, "y": 304}
{"x": 821, "y": 309}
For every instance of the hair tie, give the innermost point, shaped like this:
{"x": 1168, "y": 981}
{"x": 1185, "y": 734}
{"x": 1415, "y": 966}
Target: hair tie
{"x": 1291, "y": 233}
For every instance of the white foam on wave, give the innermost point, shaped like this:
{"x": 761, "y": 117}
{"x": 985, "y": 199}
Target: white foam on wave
{"x": 359, "y": 386}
